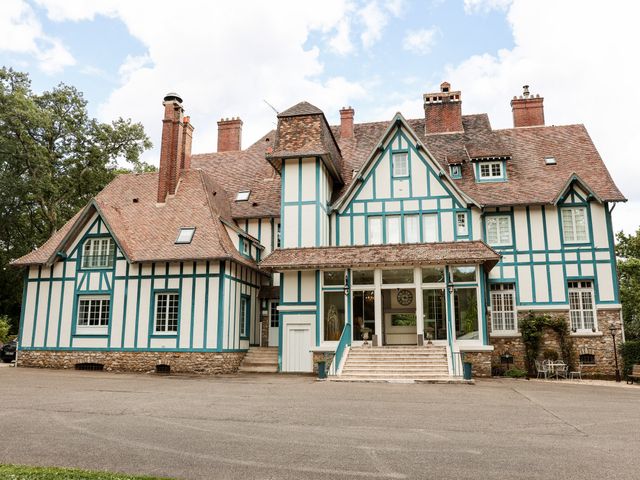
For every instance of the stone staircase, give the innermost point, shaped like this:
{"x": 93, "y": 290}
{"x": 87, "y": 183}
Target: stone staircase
{"x": 260, "y": 360}
{"x": 396, "y": 364}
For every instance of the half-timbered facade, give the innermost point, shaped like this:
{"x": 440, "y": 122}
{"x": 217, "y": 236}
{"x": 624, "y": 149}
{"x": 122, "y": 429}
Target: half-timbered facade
{"x": 317, "y": 238}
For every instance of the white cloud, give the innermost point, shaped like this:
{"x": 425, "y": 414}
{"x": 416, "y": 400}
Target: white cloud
{"x": 420, "y": 41}
{"x": 222, "y": 61}
{"x": 341, "y": 41}
{"x": 21, "y": 33}
{"x": 484, "y": 6}
{"x": 576, "y": 55}
{"x": 374, "y": 18}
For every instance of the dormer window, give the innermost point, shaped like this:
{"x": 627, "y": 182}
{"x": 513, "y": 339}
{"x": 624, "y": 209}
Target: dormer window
{"x": 491, "y": 170}
{"x": 550, "y": 160}
{"x": 456, "y": 171}
{"x": 400, "y": 165}
{"x": 243, "y": 196}
{"x": 185, "y": 235}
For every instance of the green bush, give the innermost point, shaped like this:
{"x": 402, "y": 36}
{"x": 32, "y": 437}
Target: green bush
{"x": 5, "y": 326}
{"x": 630, "y": 352}
{"x": 515, "y": 373}
{"x": 549, "y": 354}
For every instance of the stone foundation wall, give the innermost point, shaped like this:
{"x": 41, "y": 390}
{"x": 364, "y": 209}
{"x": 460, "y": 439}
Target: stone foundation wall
{"x": 481, "y": 363}
{"x": 206, "y": 363}
{"x": 600, "y": 345}
{"x": 318, "y": 356}
{"x": 264, "y": 330}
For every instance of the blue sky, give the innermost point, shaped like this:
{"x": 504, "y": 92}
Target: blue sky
{"x": 378, "y": 56}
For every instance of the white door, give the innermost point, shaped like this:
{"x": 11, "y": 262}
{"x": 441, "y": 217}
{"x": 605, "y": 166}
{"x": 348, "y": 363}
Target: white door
{"x": 274, "y": 324}
{"x": 298, "y": 349}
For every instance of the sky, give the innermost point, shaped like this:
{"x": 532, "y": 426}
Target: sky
{"x": 237, "y": 58}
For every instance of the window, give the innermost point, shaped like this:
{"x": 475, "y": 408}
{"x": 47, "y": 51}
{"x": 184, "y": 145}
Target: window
{"x": 466, "y": 313}
{"x": 98, "y": 253}
{"x": 574, "y": 225}
{"x": 456, "y": 171}
{"x": 243, "y": 196}
{"x": 274, "y": 317}
{"x": 362, "y": 277}
{"x": 463, "y": 274}
{"x": 581, "y": 307}
{"x": 397, "y": 276}
{"x": 461, "y": 224}
{"x": 498, "y": 230}
{"x": 245, "y": 247}
{"x": 490, "y": 170}
{"x": 333, "y": 315}
{"x": 166, "y": 312}
{"x": 393, "y": 229}
{"x": 93, "y": 311}
{"x": 503, "y": 315}
{"x": 550, "y": 160}
{"x": 411, "y": 229}
{"x": 430, "y": 227}
{"x": 333, "y": 278}
{"x": 587, "y": 359}
{"x": 375, "y": 230}
{"x": 244, "y": 313}
{"x": 432, "y": 274}
{"x": 400, "y": 165}
{"x": 185, "y": 235}
{"x": 363, "y": 315}
{"x": 278, "y": 235}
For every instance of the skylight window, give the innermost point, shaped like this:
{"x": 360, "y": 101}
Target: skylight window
{"x": 185, "y": 235}
{"x": 243, "y": 196}
{"x": 550, "y": 160}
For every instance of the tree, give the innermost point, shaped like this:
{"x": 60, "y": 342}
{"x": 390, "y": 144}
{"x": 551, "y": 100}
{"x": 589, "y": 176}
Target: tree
{"x": 628, "y": 253}
{"x": 53, "y": 159}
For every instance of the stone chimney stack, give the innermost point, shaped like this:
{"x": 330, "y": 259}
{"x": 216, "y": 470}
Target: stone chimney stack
{"x": 443, "y": 110}
{"x": 346, "y": 122}
{"x": 229, "y": 135}
{"x": 170, "y": 147}
{"x": 187, "y": 136}
{"x": 528, "y": 110}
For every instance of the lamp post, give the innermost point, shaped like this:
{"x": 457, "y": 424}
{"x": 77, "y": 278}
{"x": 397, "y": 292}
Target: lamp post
{"x": 613, "y": 329}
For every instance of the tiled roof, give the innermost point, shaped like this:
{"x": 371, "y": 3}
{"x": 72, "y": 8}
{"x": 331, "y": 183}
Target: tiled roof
{"x": 450, "y": 253}
{"x": 147, "y": 231}
{"x": 302, "y": 108}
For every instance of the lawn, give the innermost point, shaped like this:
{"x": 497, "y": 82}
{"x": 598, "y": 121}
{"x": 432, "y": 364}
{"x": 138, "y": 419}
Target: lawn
{"x": 19, "y": 472}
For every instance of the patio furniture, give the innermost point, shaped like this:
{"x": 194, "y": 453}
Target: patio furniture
{"x": 561, "y": 369}
{"x": 634, "y": 375}
{"x": 541, "y": 369}
{"x": 577, "y": 373}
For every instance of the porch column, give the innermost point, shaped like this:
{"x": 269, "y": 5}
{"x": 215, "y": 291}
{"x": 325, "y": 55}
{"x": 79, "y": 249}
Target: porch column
{"x": 417, "y": 283}
{"x": 377, "y": 279}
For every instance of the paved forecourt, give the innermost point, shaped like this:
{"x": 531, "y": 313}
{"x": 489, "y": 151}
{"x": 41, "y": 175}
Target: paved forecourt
{"x": 293, "y": 427}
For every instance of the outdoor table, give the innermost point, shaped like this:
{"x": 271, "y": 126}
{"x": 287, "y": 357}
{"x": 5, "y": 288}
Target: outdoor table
{"x": 553, "y": 368}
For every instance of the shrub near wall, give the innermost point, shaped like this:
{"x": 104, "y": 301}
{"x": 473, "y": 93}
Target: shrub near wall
{"x": 630, "y": 352}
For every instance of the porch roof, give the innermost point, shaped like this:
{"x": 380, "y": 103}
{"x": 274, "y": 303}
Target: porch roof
{"x": 444, "y": 253}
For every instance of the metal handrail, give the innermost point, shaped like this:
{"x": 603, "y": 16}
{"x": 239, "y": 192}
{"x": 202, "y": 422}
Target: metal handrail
{"x": 343, "y": 343}
{"x": 456, "y": 363}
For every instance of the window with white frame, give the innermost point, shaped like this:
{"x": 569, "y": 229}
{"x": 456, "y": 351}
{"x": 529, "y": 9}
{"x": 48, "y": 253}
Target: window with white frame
{"x": 185, "y": 235}
{"x": 411, "y": 229}
{"x": 461, "y": 224}
{"x": 581, "y": 307}
{"x": 503, "y": 313}
{"x": 243, "y": 312}
{"x": 274, "y": 318}
{"x": 166, "y": 312}
{"x": 430, "y": 227}
{"x": 393, "y": 229}
{"x": 400, "y": 165}
{"x": 375, "y": 230}
{"x": 498, "y": 230}
{"x": 455, "y": 170}
{"x": 491, "y": 170}
{"x": 93, "y": 311}
{"x": 574, "y": 225}
{"x": 278, "y": 236}
{"x": 98, "y": 253}
{"x": 245, "y": 246}
{"x": 243, "y": 196}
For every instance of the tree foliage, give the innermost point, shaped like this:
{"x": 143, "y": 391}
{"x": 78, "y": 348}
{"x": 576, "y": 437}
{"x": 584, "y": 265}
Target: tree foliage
{"x": 628, "y": 253}
{"x": 53, "y": 159}
{"x": 532, "y": 327}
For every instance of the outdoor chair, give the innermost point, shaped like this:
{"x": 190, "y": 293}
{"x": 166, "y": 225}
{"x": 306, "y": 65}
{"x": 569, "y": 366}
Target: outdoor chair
{"x": 541, "y": 369}
{"x": 562, "y": 370}
{"x": 577, "y": 373}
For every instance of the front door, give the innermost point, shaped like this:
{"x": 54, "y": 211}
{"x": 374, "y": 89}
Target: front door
{"x": 435, "y": 314}
{"x": 298, "y": 352}
{"x": 399, "y": 313}
{"x": 274, "y": 324}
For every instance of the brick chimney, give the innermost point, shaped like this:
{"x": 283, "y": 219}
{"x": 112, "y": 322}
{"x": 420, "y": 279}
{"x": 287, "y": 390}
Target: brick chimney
{"x": 528, "y": 110}
{"x": 185, "y": 151}
{"x": 170, "y": 147}
{"x": 346, "y": 122}
{"x": 229, "y": 134}
{"x": 443, "y": 110}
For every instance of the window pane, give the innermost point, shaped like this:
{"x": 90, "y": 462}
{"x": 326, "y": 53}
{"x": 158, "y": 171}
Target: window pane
{"x": 403, "y": 319}
{"x": 393, "y": 229}
{"x": 496, "y": 170}
{"x": 463, "y": 274}
{"x": 466, "y": 313}
{"x": 362, "y": 277}
{"x": 375, "y": 230}
{"x": 580, "y": 224}
{"x": 363, "y": 314}
{"x": 492, "y": 230}
{"x": 484, "y": 170}
{"x": 333, "y": 315}
{"x": 397, "y": 276}
{"x": 400, "y": 165}
{"x": 411, "y": 229}
{"x": 461, "y": 222}
{"x": 435, "y": 326}
{"x": 433, "y": 275}
{"x": 567, "y": 225}
{"x": 430, "y": 228}
{"x": 333, "y": 278}
{"x": 172, "y": 314}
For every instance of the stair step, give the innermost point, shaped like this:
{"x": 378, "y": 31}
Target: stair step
{"x": 252, "y": 369}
